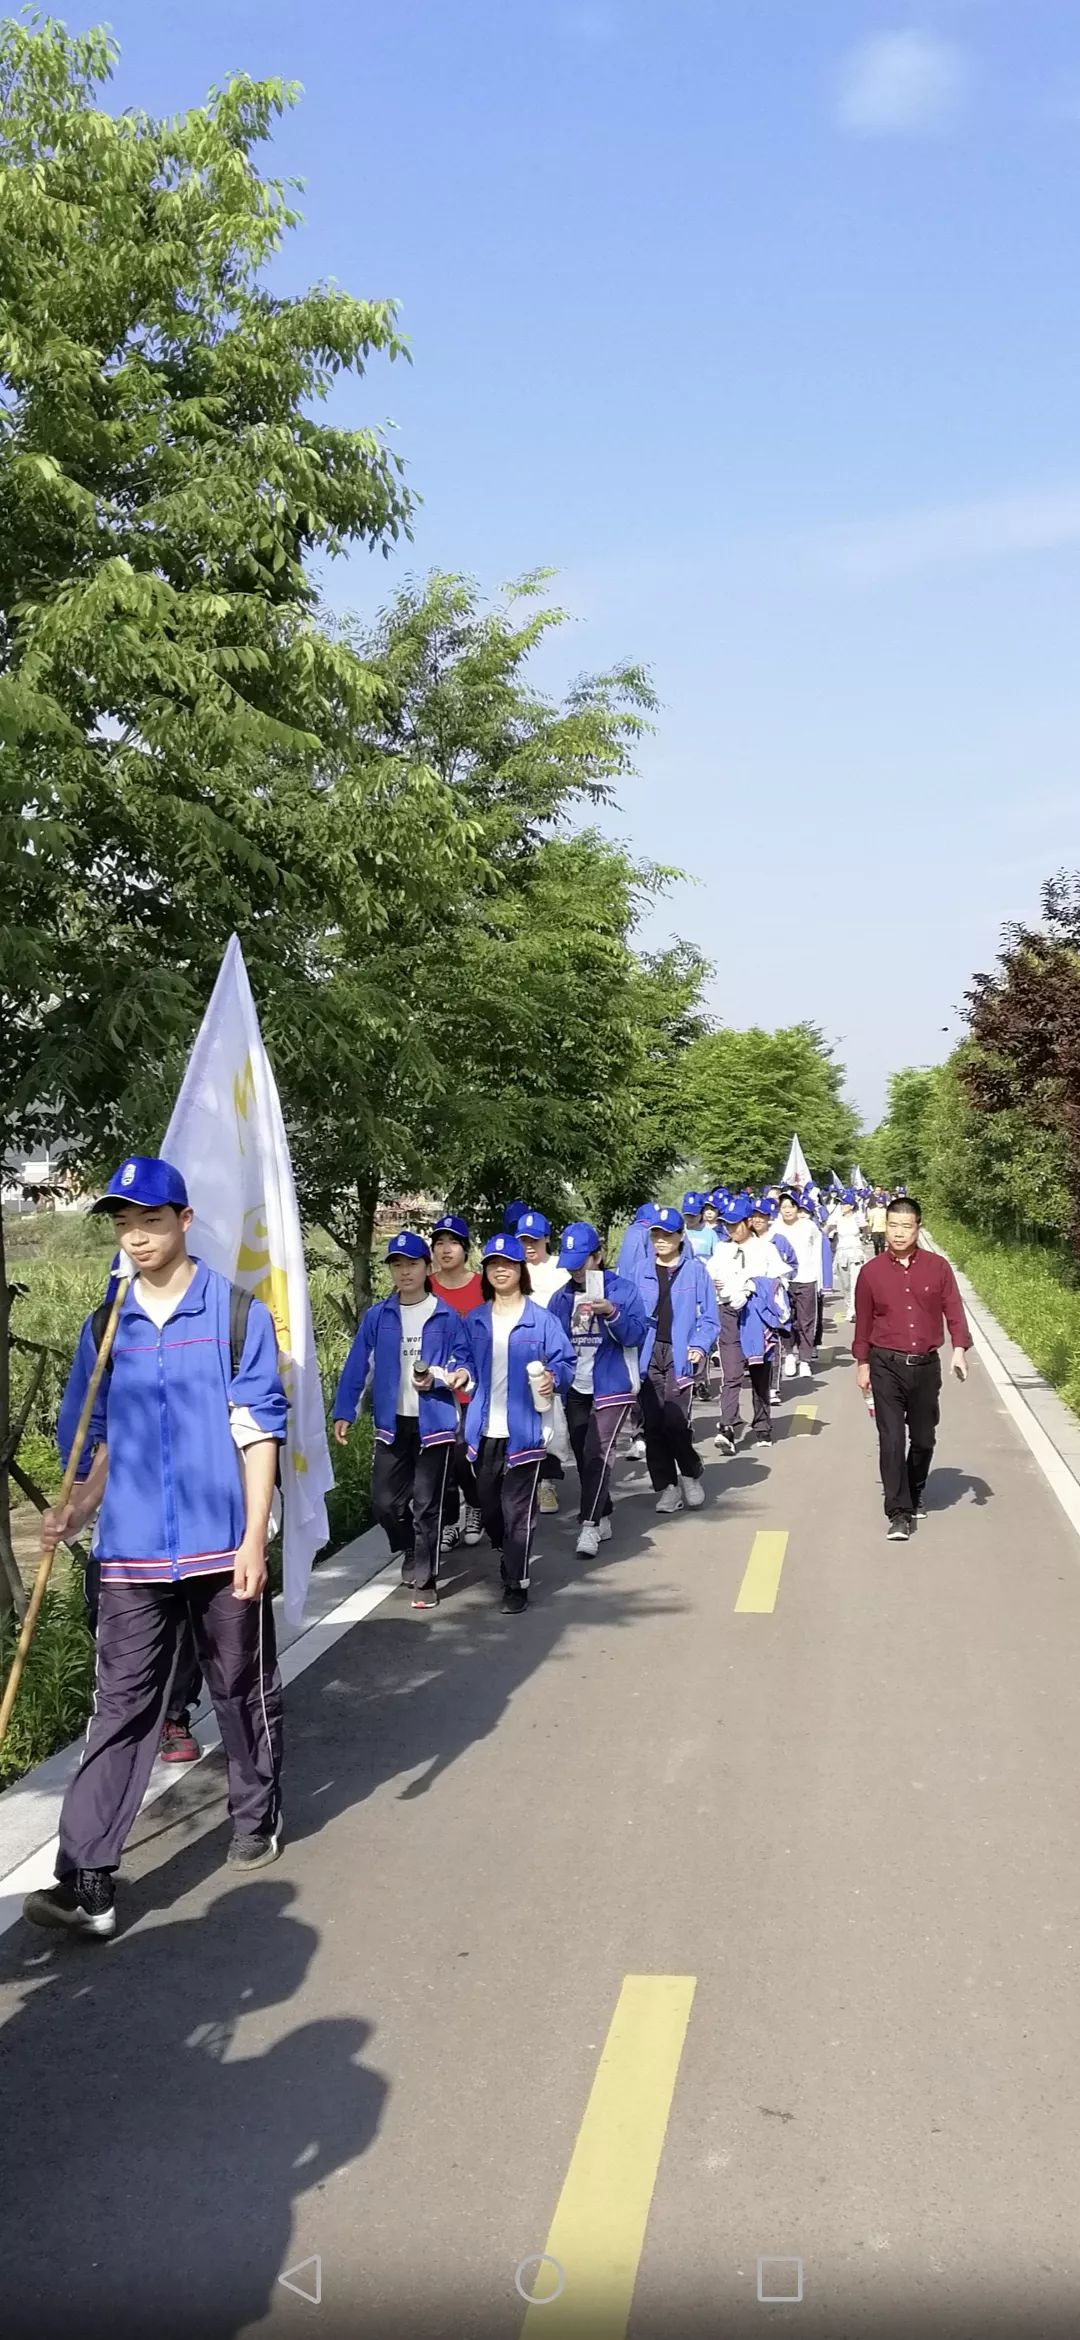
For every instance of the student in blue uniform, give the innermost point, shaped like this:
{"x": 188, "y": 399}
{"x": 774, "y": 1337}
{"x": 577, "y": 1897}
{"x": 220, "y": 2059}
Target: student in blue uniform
{"x": 184, "y": 1464}
{"x": 417, "y": 1352}
{"x": 607, "y": 1335}
{"x": 701, "y": 1238}
{"x": 683, "y": 1325}
{"x": 505, "y": 1422}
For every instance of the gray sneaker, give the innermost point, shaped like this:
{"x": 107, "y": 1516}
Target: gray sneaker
{"x": 253, "y": 1852}
{"x": 899, "y": 1529}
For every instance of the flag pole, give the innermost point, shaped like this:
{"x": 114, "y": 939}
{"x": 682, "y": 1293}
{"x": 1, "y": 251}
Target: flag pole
{"x": 26, "y": 1635}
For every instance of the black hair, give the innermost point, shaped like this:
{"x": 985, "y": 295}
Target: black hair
{"x": 488, "y": 1287}
{"x": 905, "y": 1202}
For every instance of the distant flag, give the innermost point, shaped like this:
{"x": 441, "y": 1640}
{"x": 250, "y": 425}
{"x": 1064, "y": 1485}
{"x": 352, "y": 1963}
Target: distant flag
{"x": 227, "y": 1136}
{"x": 796, "y": 1171}
{"x": 856, "y": 1179}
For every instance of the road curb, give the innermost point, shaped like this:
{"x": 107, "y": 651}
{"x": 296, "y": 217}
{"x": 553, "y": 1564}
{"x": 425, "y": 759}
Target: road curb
{"x": 343, "y": 1591}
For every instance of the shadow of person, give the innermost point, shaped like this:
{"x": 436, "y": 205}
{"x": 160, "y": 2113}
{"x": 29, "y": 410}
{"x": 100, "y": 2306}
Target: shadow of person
{"x": 947, "y": 1487}
{"x": 164, "y": 2123}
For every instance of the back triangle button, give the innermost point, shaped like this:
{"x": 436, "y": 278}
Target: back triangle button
{"x": 289, "y": 2279}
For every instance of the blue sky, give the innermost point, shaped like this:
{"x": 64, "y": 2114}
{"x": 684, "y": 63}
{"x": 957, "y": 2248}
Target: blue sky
{"x": 759, "y": 321}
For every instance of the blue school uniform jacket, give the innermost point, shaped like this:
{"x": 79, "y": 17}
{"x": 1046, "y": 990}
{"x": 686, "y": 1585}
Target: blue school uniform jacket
{"x": 765, "y": 1310}
{"x": 695, "y": 1318}
{"x": 634, "y": 1250}
{"x": 537, "y": 1334}
{"x": 376, "y": 1351}
{"x": 617, "y": 1369}
{"x": 174, "y": 1496}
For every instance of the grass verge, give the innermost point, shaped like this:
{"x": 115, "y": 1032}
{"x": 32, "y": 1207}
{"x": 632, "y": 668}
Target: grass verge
{"x": 1033, "y": 1291}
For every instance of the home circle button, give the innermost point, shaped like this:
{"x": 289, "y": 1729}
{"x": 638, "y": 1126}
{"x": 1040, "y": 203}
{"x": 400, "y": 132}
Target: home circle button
{"x": 536, "y": 2260}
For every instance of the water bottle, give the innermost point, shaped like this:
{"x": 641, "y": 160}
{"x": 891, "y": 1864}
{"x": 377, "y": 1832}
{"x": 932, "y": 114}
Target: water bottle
{"x": 870, "y": 1406}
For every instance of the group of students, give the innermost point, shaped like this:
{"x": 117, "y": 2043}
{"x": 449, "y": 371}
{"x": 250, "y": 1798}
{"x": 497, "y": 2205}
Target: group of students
{"x": 482, "y": 1384}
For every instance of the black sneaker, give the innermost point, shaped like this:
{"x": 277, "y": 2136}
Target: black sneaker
{"x": 514, "y": 1600}
{"x": 254, "y": 1852}
{"x": 899, "y": 1529}
{"x": 918, "y": 1513}
{"x": 84, "y": 1903}
{"x": 725, "y": 1439}
{"x": 426, "y": 1596}
{"x": 406, "y": 1572}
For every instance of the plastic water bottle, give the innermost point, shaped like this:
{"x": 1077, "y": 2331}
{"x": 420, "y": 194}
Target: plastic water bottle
{"x": 870, "y": 1406}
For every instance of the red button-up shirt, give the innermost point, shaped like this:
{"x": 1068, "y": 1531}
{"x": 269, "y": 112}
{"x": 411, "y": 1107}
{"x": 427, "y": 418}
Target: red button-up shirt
{"x": 901, "y": 1304}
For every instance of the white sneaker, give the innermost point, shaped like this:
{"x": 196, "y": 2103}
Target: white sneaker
{"x": 805, "y": 1373}
{"x": 547, "y": 1499}
{"x": 588, "y": 1543}
{"x": 451, "y": 1538}
{"x": 670, "y": 1500}
{"x": 693, "y": 1493}
{"x": 637, "y": 1450}
{"x": 473, "y": 1525}
{"x": 603, "y": 1529}
{"x": 791, "y": 1367}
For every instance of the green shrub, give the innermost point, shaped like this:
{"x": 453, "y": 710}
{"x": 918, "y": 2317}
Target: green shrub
{"x": 57, "y": 1687}
{"x": 1031, "y": 1289}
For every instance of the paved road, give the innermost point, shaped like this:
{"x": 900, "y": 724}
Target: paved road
{"x": 663, "y": 1933}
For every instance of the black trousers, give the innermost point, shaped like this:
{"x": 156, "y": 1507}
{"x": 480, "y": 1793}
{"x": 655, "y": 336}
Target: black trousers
{"x": 187, "y": 1682}
{"x": 507, "y": 1507}
{"x": 136, "y": 1649}
{"x": 670, "y": 1453}
{"x": 878, "y": 1242}
{"x": 593, "y": 1432}
{"x": 460, "y": 1479}
{"x": 408, "y": 1488}
{"x": 802, "y": 1334}
{"x": 907, "y": 1403}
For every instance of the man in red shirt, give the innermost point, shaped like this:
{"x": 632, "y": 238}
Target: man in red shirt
{"x": 903, "y": 1301}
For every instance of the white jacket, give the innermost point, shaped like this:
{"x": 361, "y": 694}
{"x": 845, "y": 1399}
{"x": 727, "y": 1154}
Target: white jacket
{"x": 805, "y": 1240}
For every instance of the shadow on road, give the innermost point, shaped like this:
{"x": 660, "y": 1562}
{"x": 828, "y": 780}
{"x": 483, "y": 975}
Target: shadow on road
{"x": 946, "y": 1487}
{"x": 159, "y": 2132}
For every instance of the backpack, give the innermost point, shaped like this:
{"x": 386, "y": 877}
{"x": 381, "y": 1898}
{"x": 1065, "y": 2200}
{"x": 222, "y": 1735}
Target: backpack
{"x": 239, "y": 1312}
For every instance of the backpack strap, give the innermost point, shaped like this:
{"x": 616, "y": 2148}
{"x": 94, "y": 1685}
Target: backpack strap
{"x": 98, "y": 1323}
{"x": 239, "y": 1312}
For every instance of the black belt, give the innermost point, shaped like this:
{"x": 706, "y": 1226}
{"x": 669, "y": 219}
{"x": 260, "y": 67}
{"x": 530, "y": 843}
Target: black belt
{"x": 906, "y": 1357}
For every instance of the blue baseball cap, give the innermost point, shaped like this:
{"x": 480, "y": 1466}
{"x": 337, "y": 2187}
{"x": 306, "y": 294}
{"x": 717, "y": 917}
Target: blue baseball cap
{"x": 693, "y": 1204}
{"x": 146, "y": 1181}
{"x": 666, "y": 1219}
{"x": 734, "y": 1213}
{"x": 450, "y": 1224}
{"x": 407, "y": 1245}
{"x": 766, "y": 1208}
{"x": 504, "y": 1247}
{"x": 513, "y": 1212}
{"x": 534, "y": 1223}
{"x": 577, "y": 1244}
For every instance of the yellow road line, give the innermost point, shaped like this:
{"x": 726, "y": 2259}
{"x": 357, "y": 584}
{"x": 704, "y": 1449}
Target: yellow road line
{"x": 802, "y": 1414}
{"x": 761, "y": 1582}
{"x": 598, "y": 2229}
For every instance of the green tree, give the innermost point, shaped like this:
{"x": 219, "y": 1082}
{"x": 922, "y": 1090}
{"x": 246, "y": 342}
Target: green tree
{"x": 169, "y": 702}
{"x": 496, "y": 1019}
{"x": 747, "y": 1092}
{"x": 896, "y": 1154}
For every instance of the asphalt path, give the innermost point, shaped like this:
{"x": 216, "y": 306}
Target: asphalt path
{"x": 711, "y": 1929}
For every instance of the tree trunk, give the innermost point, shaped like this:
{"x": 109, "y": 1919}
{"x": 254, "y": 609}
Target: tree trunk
{"x": 363, "y": 1235}
{"x": 7, "y": 1557}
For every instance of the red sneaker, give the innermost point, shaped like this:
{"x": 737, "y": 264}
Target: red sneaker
{"x": 177, "y": 1744}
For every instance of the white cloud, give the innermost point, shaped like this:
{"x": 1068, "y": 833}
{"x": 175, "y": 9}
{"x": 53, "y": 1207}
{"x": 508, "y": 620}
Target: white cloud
{"x": 901, "y": 84}
{"x": 948, "y": 535}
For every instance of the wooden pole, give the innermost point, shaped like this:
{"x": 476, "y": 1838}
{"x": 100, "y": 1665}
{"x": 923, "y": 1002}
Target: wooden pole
{"x": 11, "y": 1688}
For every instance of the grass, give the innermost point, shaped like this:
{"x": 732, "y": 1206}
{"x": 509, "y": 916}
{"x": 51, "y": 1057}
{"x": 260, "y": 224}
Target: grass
{"x": 1032, "y": 1290}
{"x": 60, "y": 1266}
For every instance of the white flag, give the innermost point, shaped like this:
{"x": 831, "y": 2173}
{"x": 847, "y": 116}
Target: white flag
{"x": 857, "y": 1178}
{"x": 796, "y": 1170}
{"x": 228, "y": 1138}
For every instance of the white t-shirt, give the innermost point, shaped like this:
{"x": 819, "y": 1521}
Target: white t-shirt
{"x": 586, "y": 1336}
{"x": 158, "y": 1307}
{"x": 413, "y": 1320}
{"x": 503, "y": 1321}
{"x": 547, "y": 1279}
